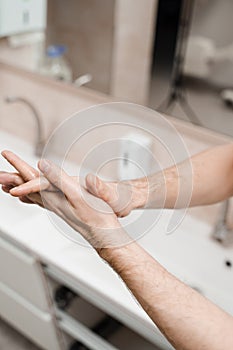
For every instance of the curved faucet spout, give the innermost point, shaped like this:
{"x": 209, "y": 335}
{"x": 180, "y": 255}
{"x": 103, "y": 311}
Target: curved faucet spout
{"x": 39, "y": 141}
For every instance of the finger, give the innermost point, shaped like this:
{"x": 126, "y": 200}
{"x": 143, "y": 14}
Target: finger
{"x": 36, "y": 199}
{"x": 33, "y": 186}
{"x": 58, "y": 177}
{"x": 26, "y": 171}
{"x": 6, "y": 188}
{"x": 10, "y": 179}
{"x": 26, "y": 200}
{"x": 97, "y": 187}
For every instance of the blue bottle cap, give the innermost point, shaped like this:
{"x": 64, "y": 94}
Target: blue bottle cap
{"x": 56, "y": 50}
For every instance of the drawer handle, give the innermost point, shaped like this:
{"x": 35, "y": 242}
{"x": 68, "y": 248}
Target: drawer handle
{"x": 82, "y": 333}
{"x": 63, "y": 297}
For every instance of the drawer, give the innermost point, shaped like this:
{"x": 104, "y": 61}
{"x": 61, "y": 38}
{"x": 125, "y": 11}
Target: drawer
{"x": 121, "y": 339}
{"x": 21, "y": 272}
{"x": 82, "y": 333}
{"x": 83, "y": 322}
{"x": 27, "y": 319}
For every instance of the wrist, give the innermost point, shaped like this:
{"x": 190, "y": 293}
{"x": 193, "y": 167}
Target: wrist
{"x": 140, "y": 193}
{"x": 156, "y": 191}
{"x": 122, "y": 257}
{"x": 108, "y": 238}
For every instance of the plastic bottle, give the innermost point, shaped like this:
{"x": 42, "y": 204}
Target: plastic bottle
{"x": 55, "y": 64}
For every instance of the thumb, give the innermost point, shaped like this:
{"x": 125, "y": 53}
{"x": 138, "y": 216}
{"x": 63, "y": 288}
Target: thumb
{"x": 97, "y": 187}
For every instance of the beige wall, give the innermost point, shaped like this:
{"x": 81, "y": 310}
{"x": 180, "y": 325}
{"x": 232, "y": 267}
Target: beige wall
{"x": 86, "y": 27}
{"x": 55, "y": 101}
{"x": 111, "y": 39}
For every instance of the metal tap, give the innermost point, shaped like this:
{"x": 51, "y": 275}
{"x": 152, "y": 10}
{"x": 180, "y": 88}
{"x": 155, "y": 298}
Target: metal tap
{"x": 222, "y": 233}
{"x": 39, "y": 137}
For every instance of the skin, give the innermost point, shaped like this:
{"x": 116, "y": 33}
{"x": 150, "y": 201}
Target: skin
{"x": 212, "y": 182}
{"x": 187, "y": 319}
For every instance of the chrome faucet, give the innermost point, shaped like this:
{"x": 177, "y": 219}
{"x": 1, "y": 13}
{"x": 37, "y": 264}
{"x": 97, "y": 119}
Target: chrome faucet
{"x": 222, "y": 233}
{"x": 39, "y": 140}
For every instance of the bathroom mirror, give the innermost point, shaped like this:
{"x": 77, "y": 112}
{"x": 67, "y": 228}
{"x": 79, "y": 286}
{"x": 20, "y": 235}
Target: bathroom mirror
{"x": 128, "y": 49}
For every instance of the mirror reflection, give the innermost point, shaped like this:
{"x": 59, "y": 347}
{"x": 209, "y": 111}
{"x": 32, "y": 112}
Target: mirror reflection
{"x": 173, "y": 56}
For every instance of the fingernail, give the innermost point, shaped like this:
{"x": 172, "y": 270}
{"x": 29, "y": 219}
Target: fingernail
{"x": 15, "y": 191}
{"x": 44, "y": 165}
{"x": 5, "y": 152}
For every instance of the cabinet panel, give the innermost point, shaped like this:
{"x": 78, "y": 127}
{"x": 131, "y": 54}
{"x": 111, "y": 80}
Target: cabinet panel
{"x": 20, "y": 272}
{"x": 27, "y": 319}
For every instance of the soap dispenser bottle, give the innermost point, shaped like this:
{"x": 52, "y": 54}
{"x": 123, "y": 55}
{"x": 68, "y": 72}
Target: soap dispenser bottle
{"x": 55, "y": 64}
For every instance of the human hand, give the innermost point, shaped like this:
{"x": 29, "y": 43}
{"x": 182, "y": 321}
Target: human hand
{"x": 122, "y": 197}
{"x": 27, "y": 183}
{"x": 65, "y": 196}
{"x": 25, "y": 175}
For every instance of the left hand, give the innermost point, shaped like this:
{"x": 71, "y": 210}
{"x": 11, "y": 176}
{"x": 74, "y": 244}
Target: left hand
{"x": 26, "y": 176}
{"x": 65, "y": 196}
{"x": 122, "y": 196}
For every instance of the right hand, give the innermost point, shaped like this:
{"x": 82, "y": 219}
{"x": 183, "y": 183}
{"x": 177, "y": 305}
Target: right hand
{"x": 122, "y": 197}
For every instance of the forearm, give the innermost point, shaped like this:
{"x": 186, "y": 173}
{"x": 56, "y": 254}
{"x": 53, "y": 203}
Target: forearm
{"x": 211, "y": 181}
{"x": 187, "y": 319}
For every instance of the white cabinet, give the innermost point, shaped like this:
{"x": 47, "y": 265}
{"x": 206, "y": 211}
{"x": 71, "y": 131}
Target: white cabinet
{"x": 26, "y": 318}
{"x": 20, "y": 272}
{"x": 82, "y": 316}
{"x": 24, "y": 302}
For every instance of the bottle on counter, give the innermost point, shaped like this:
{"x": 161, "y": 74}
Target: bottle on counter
{"x": 55, "y": 64}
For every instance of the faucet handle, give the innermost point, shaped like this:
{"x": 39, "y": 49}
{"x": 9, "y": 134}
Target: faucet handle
{"x": 39, "y": 148}
{"x": 221, "y": 232}
{"x": 11, "y": 99}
